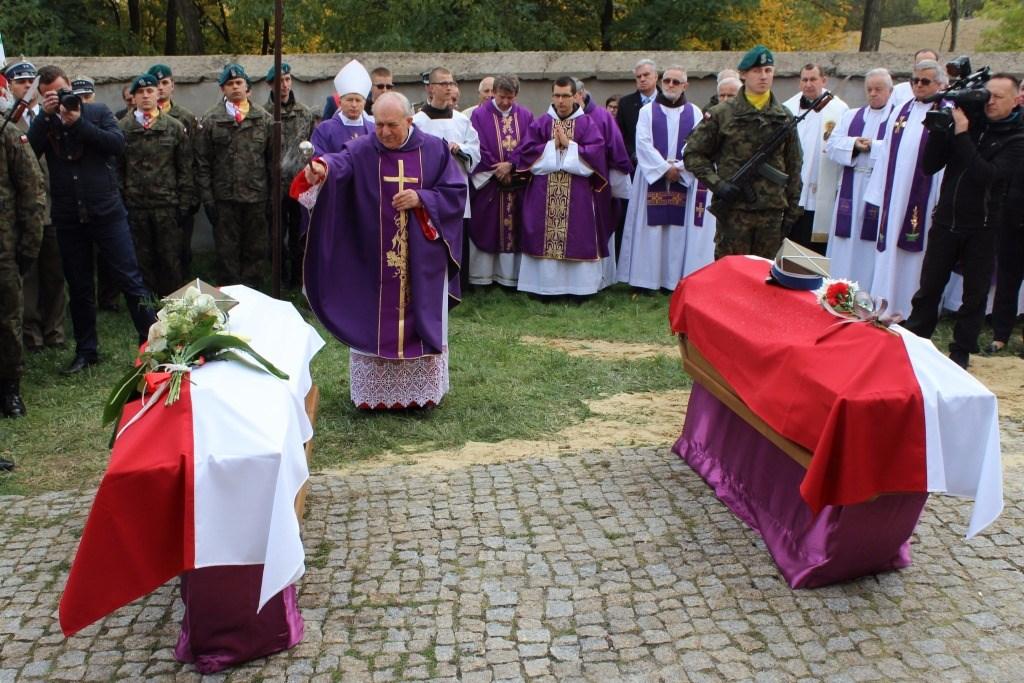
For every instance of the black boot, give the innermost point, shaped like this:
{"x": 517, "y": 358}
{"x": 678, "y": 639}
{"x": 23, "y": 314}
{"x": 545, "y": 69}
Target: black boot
{"x": 10, "y": 399}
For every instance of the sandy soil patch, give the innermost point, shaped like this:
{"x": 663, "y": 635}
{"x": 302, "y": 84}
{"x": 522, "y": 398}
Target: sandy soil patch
{"x": 604, "y": 350}
{"x": 642, "y": 419}
{"x": 1004, "y": 377}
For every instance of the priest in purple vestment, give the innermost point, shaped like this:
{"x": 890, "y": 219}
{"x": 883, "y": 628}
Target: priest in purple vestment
{"x": 349, "y": 121}
{"x": 501, "y": 123}
{"x": 562, "y": 240}
{"x": 381, "y": 265}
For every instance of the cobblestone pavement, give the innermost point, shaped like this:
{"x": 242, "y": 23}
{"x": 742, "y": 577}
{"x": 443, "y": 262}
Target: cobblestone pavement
{"x": 611, "y": 566}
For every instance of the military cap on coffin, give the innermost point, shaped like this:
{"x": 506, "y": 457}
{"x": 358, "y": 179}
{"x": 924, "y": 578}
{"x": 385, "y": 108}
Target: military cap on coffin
{"x": 798, "y": 268}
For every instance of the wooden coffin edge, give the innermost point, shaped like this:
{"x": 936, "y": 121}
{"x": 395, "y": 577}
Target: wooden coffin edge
{"x": 312, "y": 407}
{"x": 698, "y": 367}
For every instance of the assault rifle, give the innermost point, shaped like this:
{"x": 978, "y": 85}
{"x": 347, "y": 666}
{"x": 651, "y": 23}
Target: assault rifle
{"x": 759, "y": 162}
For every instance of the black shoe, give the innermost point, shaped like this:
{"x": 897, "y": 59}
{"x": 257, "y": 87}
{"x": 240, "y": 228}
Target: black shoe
{"x": 10, "y": 399}
{"x": 78, "y": 364}
{"x": 6, "y": 465}
{"x": 961, "y": 358}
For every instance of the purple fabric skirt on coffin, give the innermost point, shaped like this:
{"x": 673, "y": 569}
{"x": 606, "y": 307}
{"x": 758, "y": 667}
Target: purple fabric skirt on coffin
{"x": 761, "y": 485}
{"x": 220, "y": 627}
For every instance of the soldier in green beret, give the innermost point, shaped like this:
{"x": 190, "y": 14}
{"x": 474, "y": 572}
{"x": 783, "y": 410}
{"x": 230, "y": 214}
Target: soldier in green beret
{"x": 297, "y": 123}
{"x": 22, "y": 209}
{"x": 729, "y": 135}
{"x": 157, "y": 185}
{"x": 165, "y": 91}
{"x": 233, "y": 147}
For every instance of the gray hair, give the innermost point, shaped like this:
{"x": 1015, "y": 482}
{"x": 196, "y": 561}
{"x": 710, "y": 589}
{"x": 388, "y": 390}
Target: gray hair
{"x": 480, "y": 88}
{"x": 879, "y": 73}
{"x": 728, "y": 73}
{"x": 506, "y": 82}
{"x": 729, "y": 80}
{"x": 579, "y": 85}
{"x": 646, "y": 62}
{"x": 932, "y": 65}
{"x": 676, "y": 68}
{"x": 398, "y": 97}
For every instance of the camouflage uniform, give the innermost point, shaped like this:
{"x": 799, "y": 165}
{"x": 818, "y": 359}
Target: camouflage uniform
{"x": 186, "y": 214}
{"x": 231, "y": 174}
{"x": 729, "y": 135}
{"x": 43, "y": 285}
{"x": 22, "y": 214}
{"x": 158, "y": 188}
{"x": 297, "y": 122}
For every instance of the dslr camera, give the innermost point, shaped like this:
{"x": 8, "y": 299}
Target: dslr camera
{"x": 68, "y": 99}
{"x": 966, "y": 91}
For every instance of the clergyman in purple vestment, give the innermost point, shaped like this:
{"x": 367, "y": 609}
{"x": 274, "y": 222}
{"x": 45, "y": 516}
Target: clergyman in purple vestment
{"x": 349, "y": 122}
{"x": 502, "y": 124}
{"x": 562, "y": 240}
{"x": 382, "y": 262}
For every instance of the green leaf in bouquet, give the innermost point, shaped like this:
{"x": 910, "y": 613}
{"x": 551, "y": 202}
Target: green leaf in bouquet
{"x": 216, "y": 343}
{"x": 122, "y": 392}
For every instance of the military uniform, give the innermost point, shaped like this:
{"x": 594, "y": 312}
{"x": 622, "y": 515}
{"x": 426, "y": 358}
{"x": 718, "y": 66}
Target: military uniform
{"x": 158, "y": 187}
{"x": 22, "y": 214}
{"x": 43, "y": 285}
{"x": 231, "y": 173}
{"x": 728, "y": 137}
{"x": 297, "y": 123}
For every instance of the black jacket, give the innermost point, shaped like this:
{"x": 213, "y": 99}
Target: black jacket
{"x": 82, "y": 160}
{"x": 979, "y": 165}
{"x": 629, "y": 112}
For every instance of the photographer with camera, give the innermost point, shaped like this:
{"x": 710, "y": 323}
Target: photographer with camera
{"x": 980, "y": 149}
{"x": 82, "y": 142}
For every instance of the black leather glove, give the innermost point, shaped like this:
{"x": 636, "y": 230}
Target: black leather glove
{"x": 211, "y": 212}
{"x": 728, "y": 191}
{"x": 25, "y": 264}
{"x": 789, "y": 219}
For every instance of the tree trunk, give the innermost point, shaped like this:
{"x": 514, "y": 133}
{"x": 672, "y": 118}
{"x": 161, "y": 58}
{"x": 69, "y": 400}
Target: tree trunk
{"x": 190, "y": 23}
{"x": 954, "y": 23}
{"x": 265, "y": 45}
{"x": 134, "y": 17}
{"x": 607, "y": 16}
{"x": 871, "y": 27}
{"x": 171, "y": 31}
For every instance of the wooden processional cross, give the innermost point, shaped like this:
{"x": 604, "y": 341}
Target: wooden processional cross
{"x": 398, "y": 257}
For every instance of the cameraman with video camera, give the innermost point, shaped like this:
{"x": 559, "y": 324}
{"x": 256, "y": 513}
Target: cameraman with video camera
{"x": 980, "y": 146}
{"x": 82, "y": 142}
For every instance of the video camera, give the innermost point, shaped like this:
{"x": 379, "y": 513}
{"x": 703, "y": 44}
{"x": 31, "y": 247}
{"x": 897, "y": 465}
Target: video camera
{"x": 967, "y": 92}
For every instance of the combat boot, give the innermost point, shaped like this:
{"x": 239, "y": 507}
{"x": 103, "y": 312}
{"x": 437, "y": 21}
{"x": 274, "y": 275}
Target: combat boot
{"x": 10, "y": 399}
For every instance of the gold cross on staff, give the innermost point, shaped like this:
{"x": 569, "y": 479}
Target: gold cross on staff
{"x": 398, "y": 257}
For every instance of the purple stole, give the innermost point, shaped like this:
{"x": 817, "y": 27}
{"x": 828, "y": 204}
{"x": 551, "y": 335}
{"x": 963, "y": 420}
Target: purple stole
{"x": 920, "y": 187}
{"x": 666, "y": 202}
{"x": 504, "y": 133}
{"x": 844, "y": 203}
{"x": 397, "y": 171}
{"x": 700, "y": 207}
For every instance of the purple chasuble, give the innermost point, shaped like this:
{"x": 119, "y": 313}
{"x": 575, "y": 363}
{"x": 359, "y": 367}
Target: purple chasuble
{"x": 609, "y": 211}
{"x": 331, "y": 134}
{"x": 910, "y": 237}
{"x": 666, "y": 201}
{"x": 494, "y": 225}
{"x": 372, "y": 275}
{"x": 559, "y": 218}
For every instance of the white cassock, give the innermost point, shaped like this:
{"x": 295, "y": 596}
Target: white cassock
{"x": 549, "y": 276}
{"x": 853, "y": 257}
{"x": 820, "y": 175}
{"x": 657, "y": 256}
{"x": 897, "y": 273}
{"x": 901, "y": 92}
{"x": 457, "y": 129}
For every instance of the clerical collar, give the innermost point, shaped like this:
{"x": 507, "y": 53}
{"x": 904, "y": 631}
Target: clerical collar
{"x": 350, "y": 122}
{"x": 666, "y": 102}
{"x": 407, "y": 137}
{"x": 435, "y": 113}
{"x": 503, "y": 113}
{"x": 575, "y": 108}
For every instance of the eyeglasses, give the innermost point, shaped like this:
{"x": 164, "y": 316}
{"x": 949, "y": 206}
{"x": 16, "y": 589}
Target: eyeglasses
{"x": 446, "y": 84}
{"x": 672, "y": 81}
{"x": 921, "y": 81}
{"x": 384, "y": 86}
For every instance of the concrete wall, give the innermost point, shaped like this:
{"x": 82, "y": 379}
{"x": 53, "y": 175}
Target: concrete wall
{"x": 606, "y": 73}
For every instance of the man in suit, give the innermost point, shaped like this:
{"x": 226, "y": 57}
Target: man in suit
{"x": 82, "y": 142}
{"x": 646, "y": 74}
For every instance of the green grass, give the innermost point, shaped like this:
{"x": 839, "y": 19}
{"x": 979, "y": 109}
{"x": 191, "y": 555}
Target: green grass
{"x": 500, "y": 387}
